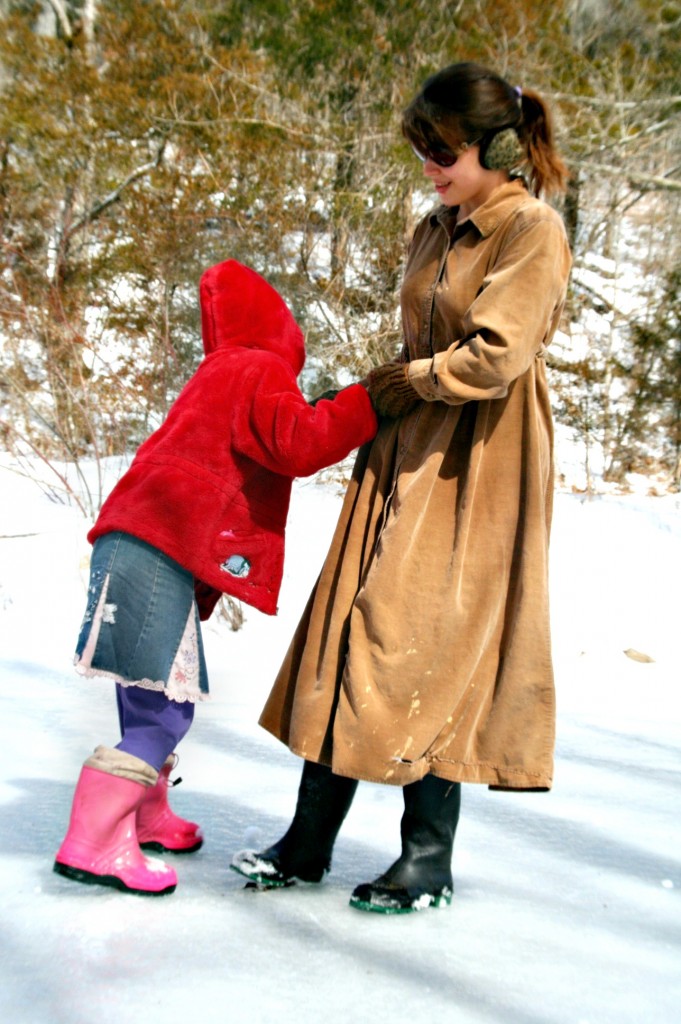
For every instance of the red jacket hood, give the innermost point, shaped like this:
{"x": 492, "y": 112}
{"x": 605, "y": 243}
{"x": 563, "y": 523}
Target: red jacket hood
{"x": 239, "y": 309}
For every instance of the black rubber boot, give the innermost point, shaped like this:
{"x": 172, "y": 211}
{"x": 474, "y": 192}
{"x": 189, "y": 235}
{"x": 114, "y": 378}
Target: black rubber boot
{"x": 304, "y": 852}
{"x": 422, "y": 875}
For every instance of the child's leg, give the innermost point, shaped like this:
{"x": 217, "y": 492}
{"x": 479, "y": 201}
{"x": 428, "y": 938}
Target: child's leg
{"x": 152, "y": 725}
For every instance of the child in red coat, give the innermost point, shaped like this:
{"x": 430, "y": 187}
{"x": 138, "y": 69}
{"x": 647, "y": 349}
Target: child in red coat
{"x": 200, "y": 512}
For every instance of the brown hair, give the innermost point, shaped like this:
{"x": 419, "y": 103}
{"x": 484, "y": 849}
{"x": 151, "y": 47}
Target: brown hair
{"x": 467, "y": 102}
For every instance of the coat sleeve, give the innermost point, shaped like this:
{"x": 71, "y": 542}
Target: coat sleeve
{"x": 516, "y": 310}
{"x": 279, "y": 430}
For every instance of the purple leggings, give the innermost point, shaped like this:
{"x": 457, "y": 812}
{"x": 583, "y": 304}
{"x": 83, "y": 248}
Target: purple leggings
{"x": 152, "y": 725}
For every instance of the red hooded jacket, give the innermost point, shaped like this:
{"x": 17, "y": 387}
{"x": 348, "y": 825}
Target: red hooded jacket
{"x": 211, "y": 487}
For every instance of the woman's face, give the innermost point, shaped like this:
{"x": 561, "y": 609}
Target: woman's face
{"x": 466, "y": 183}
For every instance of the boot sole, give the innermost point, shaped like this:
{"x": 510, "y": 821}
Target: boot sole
{"x": 88, "y": 878}
{"x": 157, "y": 847}
{"x": 259, "y": 881}
{"x": 420, "y": 903}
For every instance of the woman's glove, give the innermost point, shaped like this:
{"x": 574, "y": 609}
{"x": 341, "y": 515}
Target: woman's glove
{"x": 390, "y": 390}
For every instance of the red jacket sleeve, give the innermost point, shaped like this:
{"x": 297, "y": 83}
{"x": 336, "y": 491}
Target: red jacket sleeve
{"x": 278, "y": 429}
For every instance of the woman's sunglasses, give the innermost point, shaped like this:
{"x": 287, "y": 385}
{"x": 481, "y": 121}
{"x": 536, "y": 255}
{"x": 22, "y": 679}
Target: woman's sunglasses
{"x": 442, "y": 157}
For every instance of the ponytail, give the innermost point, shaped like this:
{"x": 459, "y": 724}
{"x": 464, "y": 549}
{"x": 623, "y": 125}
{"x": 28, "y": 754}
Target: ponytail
{"x": 547, "y": 171}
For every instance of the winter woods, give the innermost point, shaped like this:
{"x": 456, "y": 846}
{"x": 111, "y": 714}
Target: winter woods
{"x": 142, "y": 141}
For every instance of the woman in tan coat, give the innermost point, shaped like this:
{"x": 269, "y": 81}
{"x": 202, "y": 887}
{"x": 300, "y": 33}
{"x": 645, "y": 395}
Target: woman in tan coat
{"x": 423, "y": 658}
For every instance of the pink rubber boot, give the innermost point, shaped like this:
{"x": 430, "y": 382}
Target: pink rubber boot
{"x": 158, "y": 827}
{"x": 100, "y": 846}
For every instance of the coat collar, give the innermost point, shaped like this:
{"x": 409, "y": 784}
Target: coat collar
{"x": 490, "y": 214}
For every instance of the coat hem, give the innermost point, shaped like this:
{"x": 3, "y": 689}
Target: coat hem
{"x": 514, "y": 780}
{"x": 502, "y": 779}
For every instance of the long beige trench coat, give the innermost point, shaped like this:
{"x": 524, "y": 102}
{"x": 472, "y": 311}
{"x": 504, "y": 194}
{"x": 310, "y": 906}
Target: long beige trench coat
{"x": 425, "y": 644}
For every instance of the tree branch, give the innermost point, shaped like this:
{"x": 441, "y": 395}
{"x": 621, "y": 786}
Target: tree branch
{"x": 62, "y": 17}
{"x": 607, "y": 101}
{"x": 261, "y": 122}
{"x": 651, "y": 181}
{"x": 116, "y": 194}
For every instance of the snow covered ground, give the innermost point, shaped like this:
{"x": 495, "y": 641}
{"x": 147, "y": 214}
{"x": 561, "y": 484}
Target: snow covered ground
{"x": 567, "y": 906}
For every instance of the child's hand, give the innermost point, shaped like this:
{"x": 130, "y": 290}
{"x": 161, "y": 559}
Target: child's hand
{"x": 330, "y": 395}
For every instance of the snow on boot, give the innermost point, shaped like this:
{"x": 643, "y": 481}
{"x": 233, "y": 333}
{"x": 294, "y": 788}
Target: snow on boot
{"x": 422, "y": 875}
{"x": 304, "y": 852}
{"x": 100, "y": 846}
{"x": 158, "y": 827}
{"x": 264, "y": 870}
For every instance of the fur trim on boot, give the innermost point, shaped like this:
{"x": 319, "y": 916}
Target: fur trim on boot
{"x": 125, "y": 766}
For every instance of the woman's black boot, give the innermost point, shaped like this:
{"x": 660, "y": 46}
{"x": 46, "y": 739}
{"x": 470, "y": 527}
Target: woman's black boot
{"x": 304, "y": 852}
{"x": 422, "y": 875}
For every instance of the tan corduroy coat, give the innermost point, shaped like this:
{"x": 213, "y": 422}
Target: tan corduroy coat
{"x": 425, "y": 645}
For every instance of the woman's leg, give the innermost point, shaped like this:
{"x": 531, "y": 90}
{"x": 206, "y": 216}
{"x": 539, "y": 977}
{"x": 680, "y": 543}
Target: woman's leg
{"x": 304, "y": 852}
{"x": 422, "y": 875}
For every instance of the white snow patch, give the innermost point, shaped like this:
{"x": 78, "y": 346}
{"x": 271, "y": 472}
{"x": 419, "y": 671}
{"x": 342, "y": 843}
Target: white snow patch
{"x": 566, "y": 907}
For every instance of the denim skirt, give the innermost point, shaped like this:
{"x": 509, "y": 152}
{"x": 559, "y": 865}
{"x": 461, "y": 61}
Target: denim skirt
{"x": 141, "y": 625}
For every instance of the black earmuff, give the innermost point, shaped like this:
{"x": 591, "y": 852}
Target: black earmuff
{"x": 501, "y": 151}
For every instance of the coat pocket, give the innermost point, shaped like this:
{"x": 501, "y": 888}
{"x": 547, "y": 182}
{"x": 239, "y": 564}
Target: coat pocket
{"x": 248, "y": 557}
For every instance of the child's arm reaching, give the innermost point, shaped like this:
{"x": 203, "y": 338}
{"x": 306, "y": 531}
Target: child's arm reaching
{"x": 281, "y": 431}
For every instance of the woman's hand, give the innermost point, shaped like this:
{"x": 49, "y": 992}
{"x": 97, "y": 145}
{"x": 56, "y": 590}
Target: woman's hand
{"x": 390, "y": 390}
